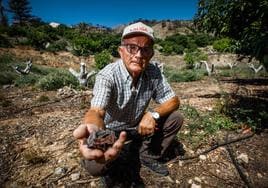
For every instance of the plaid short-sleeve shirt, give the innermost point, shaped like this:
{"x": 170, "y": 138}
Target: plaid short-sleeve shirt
{"x": 124, "y": 105}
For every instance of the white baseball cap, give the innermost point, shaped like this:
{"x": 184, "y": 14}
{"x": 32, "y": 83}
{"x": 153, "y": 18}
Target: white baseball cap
{"x": 138, "y": 27}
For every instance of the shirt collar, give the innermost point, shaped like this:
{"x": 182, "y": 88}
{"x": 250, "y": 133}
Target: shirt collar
{"x": 125, "y": 74}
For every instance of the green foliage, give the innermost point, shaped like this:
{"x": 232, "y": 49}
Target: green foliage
{"x": 190, "y": 112}
{"x": 243, "y": 21}
{"x": 59, "y": 45}
{"x": 4, "y": 42}
{"x": 26, "y": 80}
{"x": 177, "y": 44}
{"x": 203, "y": 126}
{"x": 174, "y": 75}
{"x": 7, "y": 75}
{"x": 102, "y": 59}
{"x": 212, "y": 124}
{"x": 42, "y": 77}
{"x": 202, "y": 40}
{"x": 56, "y": 80}
{"x": 193, "y": 57}
{"x": 249, "y": 111}
{"x": 223, "y": 45}
{"x": 240, "y": 72}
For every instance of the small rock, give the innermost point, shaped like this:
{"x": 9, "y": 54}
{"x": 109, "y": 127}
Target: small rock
{"x": 197, "y": 179}
{"x": 6, "y": 86}
{"x": 218, "y": 171}
{"x": 180, "y": 163}
{"x": 243, "y": 157}
{"x": 195, "y": 186}
{"x": 191, "y": 151}
{"x": 93, "y": 184}
{"x": 202, "y": 157}
{"x": 69, "y": 155}
{"x": 169, "y": 179}
{"x": 259, "y": 175}
{"x": 60, "y": 170}
{"x": 75, "y": 176}
{"x": 190, "y": 181}
{"x": 177, "y": 182}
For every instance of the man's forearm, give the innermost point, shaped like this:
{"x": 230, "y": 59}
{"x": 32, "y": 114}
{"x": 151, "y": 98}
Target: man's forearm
{"x": 95, "y": 116}
{"x": 168, "y": 106}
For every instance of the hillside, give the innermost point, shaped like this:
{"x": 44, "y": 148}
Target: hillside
{"x": 165, "y": 28}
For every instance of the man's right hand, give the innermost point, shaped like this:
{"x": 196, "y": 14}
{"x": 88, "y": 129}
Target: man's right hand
{"x": 83, "y": 131}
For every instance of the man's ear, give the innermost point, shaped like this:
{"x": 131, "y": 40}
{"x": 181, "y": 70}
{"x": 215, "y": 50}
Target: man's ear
{"x": 120, "y": 51}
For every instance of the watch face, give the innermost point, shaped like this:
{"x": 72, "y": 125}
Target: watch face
{"x": 155, "y": 115}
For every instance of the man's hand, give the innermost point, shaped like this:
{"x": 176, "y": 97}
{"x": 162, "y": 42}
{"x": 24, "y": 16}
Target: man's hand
{"x": 82, "y": 133}
{"x": 147, "y": 125}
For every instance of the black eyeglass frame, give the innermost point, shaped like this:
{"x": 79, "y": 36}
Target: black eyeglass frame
{"x": 146, "y": 51}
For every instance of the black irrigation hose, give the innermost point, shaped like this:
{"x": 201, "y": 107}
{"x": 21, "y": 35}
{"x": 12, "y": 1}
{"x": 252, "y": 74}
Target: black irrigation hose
{"x": 225, "y": 142}
{"x": 242, "y": 175}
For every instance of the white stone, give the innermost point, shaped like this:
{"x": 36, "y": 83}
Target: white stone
{"x": 243, "y": 157}
{"x": 93, "y": 184}
{"x": 190, "y": 181}
{"x": 195, "y": 186}
{"x": 197, "y": 179}
{"x": 259, "y": 175}
{"x": 202, "y": 157}
{"x": 75, "y": 176}
{"x": 60, "y": 170}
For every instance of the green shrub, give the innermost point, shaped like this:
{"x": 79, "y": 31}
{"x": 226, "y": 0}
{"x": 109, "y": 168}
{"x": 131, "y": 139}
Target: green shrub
{"x": 102, "y": 59}
{"x": 190, "y": 112}
{"x": 26, "y": 80}
{"x": 7, "y": 74}
{"x": 185, "y": 75}
{"x": 7, "y": 77}
{"x": 56, "y": 80}
{"x": 58, "y": 45}
{"x": 4, "y": 42}
{"x": 193, "y": 57}
{"x": 202, "y": 40}
{"x": 6, "y": 61}
{"x": 213, "y": 123}
{"x": 41, "y": 70}
{"x": 223, "y": 45}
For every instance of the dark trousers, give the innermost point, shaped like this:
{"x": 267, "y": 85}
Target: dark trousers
{"x": 153, "y": 147}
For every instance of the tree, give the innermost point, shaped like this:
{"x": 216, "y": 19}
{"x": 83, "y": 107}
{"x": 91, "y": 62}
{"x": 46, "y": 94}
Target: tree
{"x": 242, "y": 20}
{"x": 3, "y": 18}
{"x": 21, "y": 11}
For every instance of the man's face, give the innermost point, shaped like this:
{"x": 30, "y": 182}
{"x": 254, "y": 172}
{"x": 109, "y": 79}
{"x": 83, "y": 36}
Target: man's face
{"x": 136, "y": 52}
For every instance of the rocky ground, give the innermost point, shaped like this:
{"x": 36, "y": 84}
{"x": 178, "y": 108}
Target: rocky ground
{"x": 38, "y": 150}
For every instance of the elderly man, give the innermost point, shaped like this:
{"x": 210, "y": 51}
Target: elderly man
{"x": 121, "y": 95}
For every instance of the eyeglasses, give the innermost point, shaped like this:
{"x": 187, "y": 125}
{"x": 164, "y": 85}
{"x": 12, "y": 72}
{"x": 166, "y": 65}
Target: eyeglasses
{"x": 133, "y": 49}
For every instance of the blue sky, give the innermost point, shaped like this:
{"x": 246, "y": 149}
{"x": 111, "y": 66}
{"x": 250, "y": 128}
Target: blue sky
{"x": 111, "y": 12}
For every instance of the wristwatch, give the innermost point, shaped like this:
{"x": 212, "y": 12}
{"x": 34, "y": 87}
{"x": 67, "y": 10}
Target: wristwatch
{"x": 155, "y": 115}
